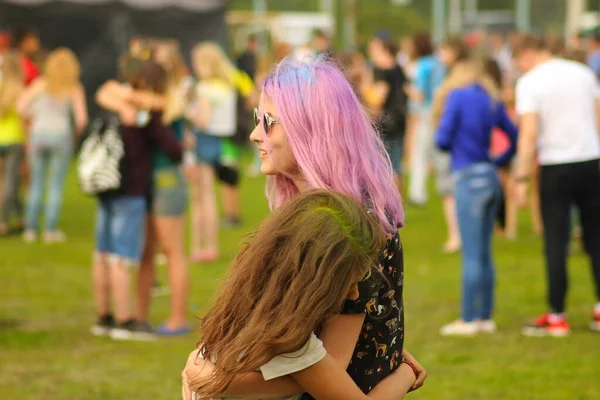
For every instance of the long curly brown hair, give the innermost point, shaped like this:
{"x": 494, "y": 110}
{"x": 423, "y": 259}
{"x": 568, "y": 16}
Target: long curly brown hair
{"x": 292, "y": 275}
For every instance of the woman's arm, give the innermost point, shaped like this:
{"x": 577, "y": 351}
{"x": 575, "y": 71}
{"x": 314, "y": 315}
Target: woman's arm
{"x": 505, "y": 123}
{"x": 29, "y": 95}
{"x": 199, "y": 114}
{"x": 327, "y": 381}
{"x": 448, "y": 123}
{"x": 339, "y": 339}
{"x": 80, "y": 112}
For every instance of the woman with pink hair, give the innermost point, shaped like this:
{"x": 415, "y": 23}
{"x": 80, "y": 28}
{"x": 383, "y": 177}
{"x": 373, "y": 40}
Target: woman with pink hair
{"x": 313, "y": 133}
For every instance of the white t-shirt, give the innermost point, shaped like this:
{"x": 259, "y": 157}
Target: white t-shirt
{"x": 223, "y": 107}
{"x": 285, "y": 364}
{"x": 563, "y": 93}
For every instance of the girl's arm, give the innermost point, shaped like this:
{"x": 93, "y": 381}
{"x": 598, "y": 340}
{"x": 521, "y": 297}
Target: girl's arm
{"x": 448, "y": 124}
{"x": 505, "y": 123}
{"x": 199, "y": 114}
{"x": 29, "y": 95}
{"x": 339, "y": 339}
{"x": 327, "y": 381}
{"x": 80, "y": 112}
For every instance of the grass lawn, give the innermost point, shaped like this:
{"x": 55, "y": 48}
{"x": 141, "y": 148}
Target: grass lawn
{"x": 46, "y": 309}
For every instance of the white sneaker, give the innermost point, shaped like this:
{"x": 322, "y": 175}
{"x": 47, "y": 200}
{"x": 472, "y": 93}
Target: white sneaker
{"x": 54, "y": 237}
{"x": 460, "y": 328}
{"x": 487, "y": 326}
{"x": 29, "y": 236}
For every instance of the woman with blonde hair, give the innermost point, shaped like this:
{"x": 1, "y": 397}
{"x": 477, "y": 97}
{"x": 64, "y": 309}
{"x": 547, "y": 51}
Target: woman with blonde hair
{"x": 56, "y": 104}
{"x": 467, "y": 108}
{"x": 12, "y": 139}
{"x": 213, "y": 115}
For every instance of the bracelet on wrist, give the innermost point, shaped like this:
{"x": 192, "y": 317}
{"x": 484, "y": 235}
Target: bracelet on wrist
{"x": 411, "y": 367}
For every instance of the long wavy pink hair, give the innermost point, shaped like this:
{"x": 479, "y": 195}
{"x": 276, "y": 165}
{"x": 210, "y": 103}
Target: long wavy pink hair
{"x": 334, "y": 142}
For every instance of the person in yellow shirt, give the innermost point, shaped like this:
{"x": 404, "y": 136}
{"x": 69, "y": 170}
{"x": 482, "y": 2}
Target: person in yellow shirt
{"x": 227, "y": 167}
{"x": 12, "y": 139}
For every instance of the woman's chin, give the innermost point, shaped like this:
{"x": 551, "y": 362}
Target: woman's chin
{"x": 267, "y": 169}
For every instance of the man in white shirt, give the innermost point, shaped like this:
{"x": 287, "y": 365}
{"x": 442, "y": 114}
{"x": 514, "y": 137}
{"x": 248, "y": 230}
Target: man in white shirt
{"x": 557, "y": 103}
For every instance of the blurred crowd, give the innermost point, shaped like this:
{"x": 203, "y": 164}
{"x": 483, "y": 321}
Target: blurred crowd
{"x": 183, "y": 129}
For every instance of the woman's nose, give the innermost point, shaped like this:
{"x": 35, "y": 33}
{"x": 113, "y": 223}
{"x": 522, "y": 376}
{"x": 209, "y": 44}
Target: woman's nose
{"x": 256, "y": 134}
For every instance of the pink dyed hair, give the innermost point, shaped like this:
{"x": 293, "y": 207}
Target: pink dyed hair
{"x": 334, "y": 142}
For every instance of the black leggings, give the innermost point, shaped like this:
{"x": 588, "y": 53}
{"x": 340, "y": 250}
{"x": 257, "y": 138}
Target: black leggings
{"x": 561, "y": 186}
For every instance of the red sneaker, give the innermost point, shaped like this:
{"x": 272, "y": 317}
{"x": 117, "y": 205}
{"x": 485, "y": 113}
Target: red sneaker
{"x": 544, "y": 327}
{"x": 595, "y": 324}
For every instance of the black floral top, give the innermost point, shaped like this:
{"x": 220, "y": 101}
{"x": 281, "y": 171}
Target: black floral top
{"x": 379, "y": 348}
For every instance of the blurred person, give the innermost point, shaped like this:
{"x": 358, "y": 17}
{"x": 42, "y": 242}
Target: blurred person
{"x": 213, "y": 115}
{"x": 468, "y": 106}
{"x": 320, "y": 42}
{"x": 5, "y": 42}
{"x": 28, "y": 44}
{"x": 12, "y": 141}
{"x": 276, "y": 332}
{"x": 407, "y": 60}
{"x": 165, "y": 226}
{"x": 121, "y": 215}
{"x": 431, "y": 73}
{"x": 338, "y": 150}
{"x": 355, "y": 70}
{"x": 246, "y": 62}
{"x": 581, "y": 56}
{"x": 593, "y": 58}
{"x": 508, "y": 209}
{"x": 56, "y": 106}
{"x": 557, "y": 103}
{"x": 556, "y": 45}
{"x": 227, "y": 166}
{"x": 577, "y": 42}
{"x": 386, "y": 96}
{"x": 500, "y": 51}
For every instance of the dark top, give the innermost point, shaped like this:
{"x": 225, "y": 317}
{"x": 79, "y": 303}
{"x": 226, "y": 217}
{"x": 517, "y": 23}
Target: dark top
{"x": 395, "y": 105}
{"x": 247, "y": 63}
{"x": 160, "y": 160}
{"x": 465, "y": 127}
{"x": 378, "y": 351}
{"x": 139, "y": 145}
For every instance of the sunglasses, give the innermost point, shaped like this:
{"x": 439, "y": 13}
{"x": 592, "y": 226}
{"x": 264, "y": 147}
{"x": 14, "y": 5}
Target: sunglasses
{"x": 267, "y": 120}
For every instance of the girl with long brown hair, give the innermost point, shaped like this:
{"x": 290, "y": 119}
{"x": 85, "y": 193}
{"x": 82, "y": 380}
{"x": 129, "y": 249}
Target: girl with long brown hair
{"x": 320, "y": 243}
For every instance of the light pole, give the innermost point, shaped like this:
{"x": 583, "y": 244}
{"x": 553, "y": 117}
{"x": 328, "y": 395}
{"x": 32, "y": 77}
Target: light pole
{"x": 523, "y": 15}
{"x": 438, "y": 16}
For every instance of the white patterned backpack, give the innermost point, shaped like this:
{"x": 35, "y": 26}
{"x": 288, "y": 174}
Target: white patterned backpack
{"x": 100, "y": 162}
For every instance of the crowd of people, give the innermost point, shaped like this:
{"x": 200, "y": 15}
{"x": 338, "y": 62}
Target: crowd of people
{"x": 336, "y": 135}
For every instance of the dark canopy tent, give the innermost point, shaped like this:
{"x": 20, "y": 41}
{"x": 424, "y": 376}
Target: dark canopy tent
{"x": 99, "y": 31}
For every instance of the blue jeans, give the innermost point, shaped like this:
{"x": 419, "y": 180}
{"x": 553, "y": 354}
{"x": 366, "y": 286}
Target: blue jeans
{"x": 49, "y": 156}
{"x": 478, "y": 195}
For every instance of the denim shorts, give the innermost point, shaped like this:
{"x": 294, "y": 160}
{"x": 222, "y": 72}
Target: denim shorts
{"x": 170, "y": 196}
{"x": 120, "y": 227}
{"x": 208, "y": 148}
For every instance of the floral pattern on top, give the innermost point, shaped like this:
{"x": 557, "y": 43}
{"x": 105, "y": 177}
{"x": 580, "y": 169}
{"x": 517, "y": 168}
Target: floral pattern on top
{"x": 378, "y": 351}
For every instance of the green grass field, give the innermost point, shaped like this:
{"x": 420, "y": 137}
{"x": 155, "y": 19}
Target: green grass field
{"x": 46, "y": 309}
